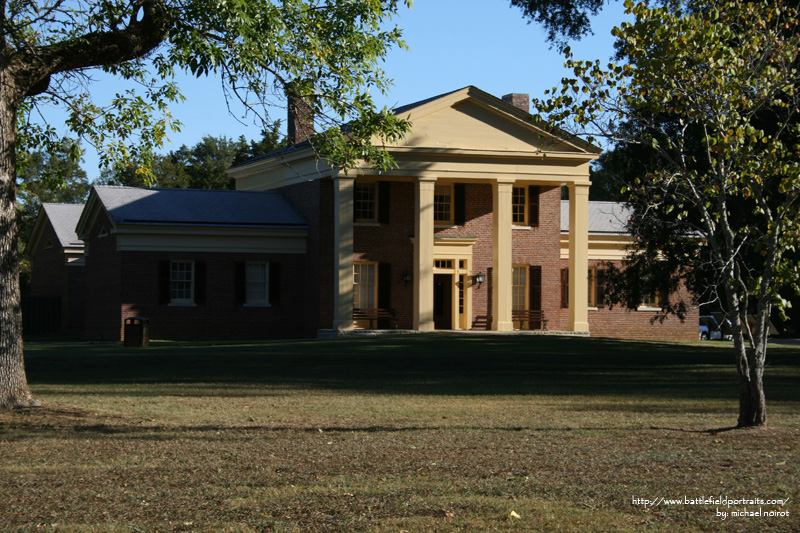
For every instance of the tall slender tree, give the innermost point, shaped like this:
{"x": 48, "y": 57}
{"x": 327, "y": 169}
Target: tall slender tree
{"x": 50, "y": 48}
{"x": 710, "y": 89}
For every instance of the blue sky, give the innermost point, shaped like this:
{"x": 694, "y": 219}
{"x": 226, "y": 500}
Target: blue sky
{"x": 452, "y": 44}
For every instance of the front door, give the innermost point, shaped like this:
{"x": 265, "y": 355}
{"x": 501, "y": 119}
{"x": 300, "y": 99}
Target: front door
{"x": 443, "y": 301}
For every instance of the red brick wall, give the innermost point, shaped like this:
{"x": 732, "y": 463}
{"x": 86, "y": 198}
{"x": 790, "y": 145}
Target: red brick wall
{"x": 622, "y": 323}
{"x": 391, "y": 243}
{"x": 219, "y": 317}
{"x": 538, "y": 246}
{"x": 535, "y": 246}
{"x": 125, "y": 284}
{"x": 314, "y": 200}
{"x": 103, "y": 314}
{"x": 50, "y": 276}
{"x": 49, "y": 272}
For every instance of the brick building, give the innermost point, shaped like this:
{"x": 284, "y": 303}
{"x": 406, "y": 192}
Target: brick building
{"x": 58, "y": 272}
{"x": 199, "y": 264}
{"x": 467, "y": 232}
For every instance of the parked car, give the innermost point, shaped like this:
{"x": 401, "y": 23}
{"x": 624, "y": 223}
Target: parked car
{"x": 710, "y": 329}
{"x": 715, "y": 329}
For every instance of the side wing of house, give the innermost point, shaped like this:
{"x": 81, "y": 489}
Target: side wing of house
{"x": 463, "y": 234}
{"x": 608, "y": 244}
{"x": 198, "y": 264}
{"x": 57, "y": 273}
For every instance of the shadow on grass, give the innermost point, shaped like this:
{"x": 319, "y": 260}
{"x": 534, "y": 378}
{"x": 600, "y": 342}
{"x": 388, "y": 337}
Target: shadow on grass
{"x": 419, "y": 365}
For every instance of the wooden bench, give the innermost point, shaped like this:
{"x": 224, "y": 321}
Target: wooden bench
{"x": 374, "y": 315}
{"x": 533, "y": 317}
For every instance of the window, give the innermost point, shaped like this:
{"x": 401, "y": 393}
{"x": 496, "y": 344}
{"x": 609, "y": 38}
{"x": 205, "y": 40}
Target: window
{"x": 365, "y": 202}
{"x": 365, "y": 285}
{"x": 519, "y": 201}
{"x": 257, "y": 284}
{"x": 652, "y": 300}
{"x": 519, "y": 288}
{"x": 443, "y": 204}
{"x": 592, "y": 287}
{"x": 181, "y": 282}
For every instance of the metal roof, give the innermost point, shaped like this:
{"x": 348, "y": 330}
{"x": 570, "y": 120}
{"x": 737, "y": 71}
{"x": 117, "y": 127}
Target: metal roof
{"x": 608, "y": 218}
{"x": 64, "y": 218}
{"x": 202, "y": 207}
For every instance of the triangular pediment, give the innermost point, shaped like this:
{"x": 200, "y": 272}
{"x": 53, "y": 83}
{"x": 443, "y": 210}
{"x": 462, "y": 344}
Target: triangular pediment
{"x": 473, "y": 120}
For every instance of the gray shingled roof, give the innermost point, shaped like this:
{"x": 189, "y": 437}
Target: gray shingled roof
{"x": 607, "y": 218}
{"x": 64, "y": 218}
{"x": 202, "y": 207}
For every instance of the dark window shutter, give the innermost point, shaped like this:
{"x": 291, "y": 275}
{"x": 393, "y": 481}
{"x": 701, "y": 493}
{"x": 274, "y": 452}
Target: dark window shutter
{"x": 239, "y": 283}
{"x": 600, "y": 287}
{"x": 199, "y": 282}
{"x": 164, "y": 278}
{"x": 535, "y": 288}
{"x": 459, "y": 204}
{"x": 385, "y": 285}
{"x": 384, "y": 201}
{"x": 533, "y": 205}
{"x": 274, "y": 283}
{"x": 564, "y": 288}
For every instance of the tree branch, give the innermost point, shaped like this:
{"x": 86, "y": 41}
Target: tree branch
{"x": 138, "y": 38}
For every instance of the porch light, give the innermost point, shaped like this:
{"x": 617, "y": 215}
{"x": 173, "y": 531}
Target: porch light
{"x": 479, "y": 279}
{"x": 407, "y": 277}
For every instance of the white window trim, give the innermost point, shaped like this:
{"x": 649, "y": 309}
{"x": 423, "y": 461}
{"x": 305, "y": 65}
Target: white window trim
{"x": 257, "y": 303}
{"x": 182, "y": 302}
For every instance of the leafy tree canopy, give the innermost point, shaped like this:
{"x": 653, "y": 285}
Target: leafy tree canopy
{"x": 199, "y": 167}
{"x": 708, "y": 91}
{"x": 328, "y": 54}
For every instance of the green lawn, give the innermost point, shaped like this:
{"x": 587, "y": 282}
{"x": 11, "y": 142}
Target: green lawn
{"x": 415, "y": 433}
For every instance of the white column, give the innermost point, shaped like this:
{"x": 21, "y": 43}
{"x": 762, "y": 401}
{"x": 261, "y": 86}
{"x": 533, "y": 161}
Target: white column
{"x": 578, "y": 256}
{"x": 502, "y": 190}
{"x": 423, "y": 254}
{"x": 343, "y": 187}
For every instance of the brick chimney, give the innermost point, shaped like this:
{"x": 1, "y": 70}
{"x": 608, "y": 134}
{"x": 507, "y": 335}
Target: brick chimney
{"x": 520, "y": 100}
{"x": 300, "y": 125}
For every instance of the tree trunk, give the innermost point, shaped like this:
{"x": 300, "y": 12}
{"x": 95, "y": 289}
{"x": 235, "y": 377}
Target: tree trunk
{"x": 14, "y": 391}
{"x": 750, "y": 365}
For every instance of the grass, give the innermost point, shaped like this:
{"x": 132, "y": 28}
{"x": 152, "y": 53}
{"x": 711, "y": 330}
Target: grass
{"x": 412, "y": 433}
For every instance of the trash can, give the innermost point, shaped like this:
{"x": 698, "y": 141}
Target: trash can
{"x": 137, "y": 332}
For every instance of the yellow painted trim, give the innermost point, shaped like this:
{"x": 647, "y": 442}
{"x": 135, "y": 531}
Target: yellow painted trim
{"x": 423, "y": 254}
{"x": 343, "y": 247}
{"x": 578, "y": 256}
{"x": 502, "y": 254}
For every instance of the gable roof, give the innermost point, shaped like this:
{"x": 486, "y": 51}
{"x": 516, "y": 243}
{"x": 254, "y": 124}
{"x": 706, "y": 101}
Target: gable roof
{"x": 419, "y": 110}
{"x": 605, "y": 218}
{"x": 196, "y": 207}
{"x": 64, "y": 218}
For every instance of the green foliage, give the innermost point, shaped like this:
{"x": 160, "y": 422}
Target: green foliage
{"x": 54, "y": 176}
{"x": 199, "y": 167}
{"x": 710, "y": 89}
{"x": 256, "y": 48}
{"x": 563, "y": 19}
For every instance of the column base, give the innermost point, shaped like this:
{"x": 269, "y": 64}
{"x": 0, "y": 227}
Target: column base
{"x": 342, "y": 325}
{"x": 426, "y": 326}
{"x": 581, "y": 326}
{"x": 503, "y": 326}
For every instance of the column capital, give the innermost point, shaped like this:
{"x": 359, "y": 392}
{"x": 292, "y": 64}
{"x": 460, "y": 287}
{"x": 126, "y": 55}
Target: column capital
{"x": 579, "y": 187}
{"x": 426, "y": 177}
{"x": 504, "y": 180}
{"x": 344, "y": 178}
